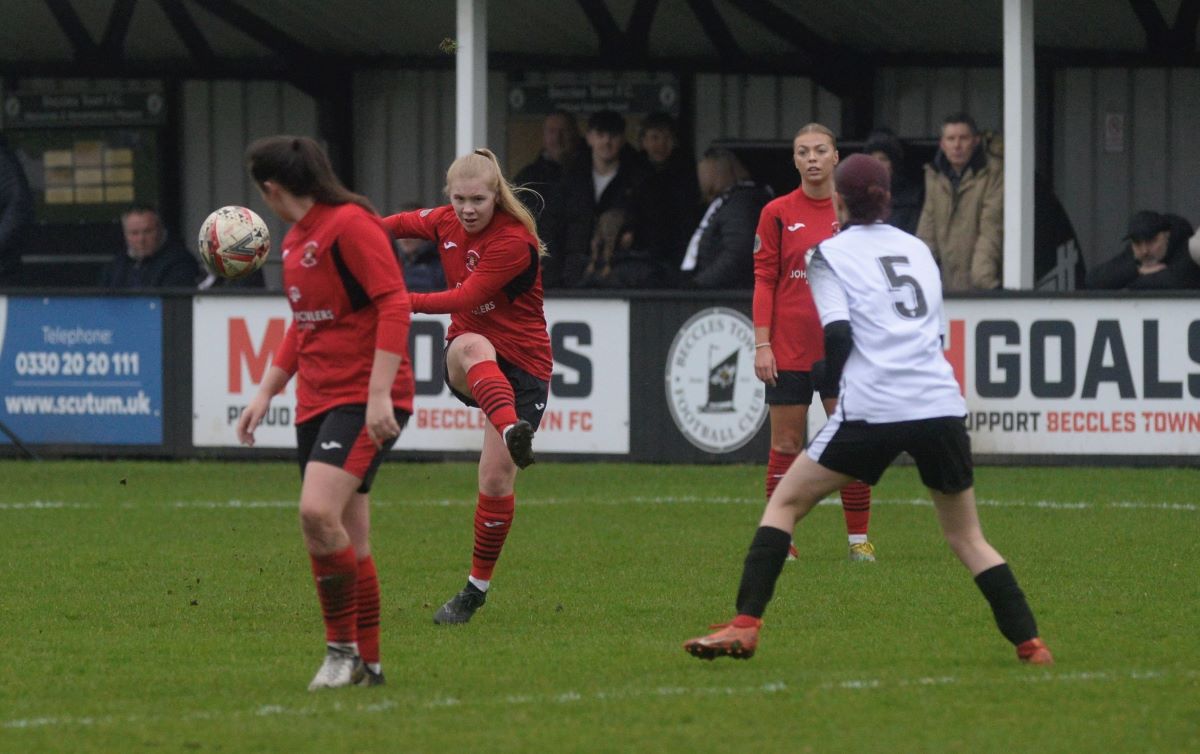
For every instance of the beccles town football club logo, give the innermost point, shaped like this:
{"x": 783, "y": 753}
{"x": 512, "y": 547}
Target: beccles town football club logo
{"x": 472, "y": 259}
{"x": 714, "y": 397}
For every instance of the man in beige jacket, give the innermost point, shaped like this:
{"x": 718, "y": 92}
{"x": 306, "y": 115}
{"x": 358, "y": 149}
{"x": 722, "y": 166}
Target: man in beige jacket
{"x": 962, "y": 219}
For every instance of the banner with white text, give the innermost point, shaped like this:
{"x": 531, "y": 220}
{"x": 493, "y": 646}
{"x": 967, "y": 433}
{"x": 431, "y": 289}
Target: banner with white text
{"x": 234, "y": 339}
{"x": 77, "y": 371}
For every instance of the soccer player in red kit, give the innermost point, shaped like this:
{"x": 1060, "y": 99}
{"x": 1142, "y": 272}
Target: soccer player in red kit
{"x": 498, "y": 354}
{"x": 787, "y": 332}
{"x": 347, "y": 344}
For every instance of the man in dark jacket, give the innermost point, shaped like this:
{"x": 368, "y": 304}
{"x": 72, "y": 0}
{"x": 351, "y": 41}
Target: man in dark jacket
{"x": 721, "y": 251}
{"x": 606, "y": 181}
{"x": 1155, "y": 257}
{"x": 16, "y": 215}
{"x": 560, "y": 149}
{"x": 150, "y": 259}
{"x": 667, "y": 201}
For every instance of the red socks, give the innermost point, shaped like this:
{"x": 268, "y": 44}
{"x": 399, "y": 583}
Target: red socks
{"x": 493, "y": 517}
{"x": 856, "y": 507}
{"x": 336, "y": 574}
{"x": 366, "y": 592}
{"x": 492, "y": 391}
{"x": 777, "y": 465}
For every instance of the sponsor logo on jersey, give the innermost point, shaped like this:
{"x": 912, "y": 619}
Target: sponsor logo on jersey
{"x": 310, "y": 254}
{"x": 313, "y": 315}
{"x": 293, "y": 294}
{"x": 715, "y": 399}
{"x": 795, "y": 227}
{"x": 472, "y": 259}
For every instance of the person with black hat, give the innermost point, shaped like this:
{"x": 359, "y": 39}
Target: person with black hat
{"x": 879, "y": 294}
{"x": 1155, "y": 257}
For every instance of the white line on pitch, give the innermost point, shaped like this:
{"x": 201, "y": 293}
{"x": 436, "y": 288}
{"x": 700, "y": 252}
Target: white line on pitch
{"x": 571, "y": 697}
{"x": 655, "y": 500}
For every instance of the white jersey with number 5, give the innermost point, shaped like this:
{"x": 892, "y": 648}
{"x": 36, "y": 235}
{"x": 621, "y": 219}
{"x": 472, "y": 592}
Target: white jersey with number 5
{"x": 886, "y": 284}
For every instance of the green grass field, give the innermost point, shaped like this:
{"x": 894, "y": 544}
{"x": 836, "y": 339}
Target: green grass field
{"x": 175, "y": 612}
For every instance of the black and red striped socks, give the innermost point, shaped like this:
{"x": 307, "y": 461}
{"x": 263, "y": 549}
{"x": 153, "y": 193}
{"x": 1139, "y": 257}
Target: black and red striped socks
{"x": 494, "y": 394}
{"x": 493, "y": 518}
{"x": 336, "y": 575}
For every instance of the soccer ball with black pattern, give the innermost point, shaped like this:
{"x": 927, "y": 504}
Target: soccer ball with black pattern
{"x": 234, "y": 242}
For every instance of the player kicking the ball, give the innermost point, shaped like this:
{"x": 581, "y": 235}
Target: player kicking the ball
{"x": 498, "y": 351}
{"x": 879, "y": 295}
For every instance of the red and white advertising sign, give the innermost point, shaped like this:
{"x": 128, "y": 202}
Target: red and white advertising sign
{"x": 234, "y": 339}
{"x": 1078, "y": 376}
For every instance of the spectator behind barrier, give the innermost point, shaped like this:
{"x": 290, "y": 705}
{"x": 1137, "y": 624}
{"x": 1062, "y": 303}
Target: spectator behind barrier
{"x": 907, "y": 195}
{"x": 667, "y": 202}
{"x": 720, "y": 253}
{"x": 151, "y": 258}
{"x": 561, "y": 147}
{"x": 1155, "y": 256}
{"x": 606, "y": 181}
{"x": 421, "y": 260}
{"x": 962, "y": 218}
{"x": 16, "y": 215}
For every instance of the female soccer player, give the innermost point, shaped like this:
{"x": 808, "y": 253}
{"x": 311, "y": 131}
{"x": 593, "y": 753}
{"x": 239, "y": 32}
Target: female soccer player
{"x": 498, "y": 353}
{"x": 787, "y": 332}
{"x": 348, "y": 345}
{"x": 879, "y": 293}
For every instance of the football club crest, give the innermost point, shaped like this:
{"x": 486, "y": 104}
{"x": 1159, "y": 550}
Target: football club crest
{"x": 472, "y": 259}
{"x": 714, "y": 397}
{"x": 310, "y": 255}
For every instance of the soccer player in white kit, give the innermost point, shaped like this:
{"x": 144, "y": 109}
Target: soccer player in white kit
{"x": 879, "y": 294}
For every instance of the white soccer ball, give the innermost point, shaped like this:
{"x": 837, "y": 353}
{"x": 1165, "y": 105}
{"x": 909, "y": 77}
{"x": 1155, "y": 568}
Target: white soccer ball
{"x": 234, "y": 242}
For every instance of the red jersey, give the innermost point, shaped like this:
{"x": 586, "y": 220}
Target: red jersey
{"x": 494, "y": 283}
{"x": 344, "y": 283}
{"x": 787, "y": 228}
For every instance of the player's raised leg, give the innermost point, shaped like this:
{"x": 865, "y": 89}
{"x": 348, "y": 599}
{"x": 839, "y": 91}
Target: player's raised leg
{"x": 474, "y": 371}
{"x": 805, "y": 483}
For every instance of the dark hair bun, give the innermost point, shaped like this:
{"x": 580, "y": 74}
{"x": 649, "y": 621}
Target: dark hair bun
{"x": 864, "y": 185}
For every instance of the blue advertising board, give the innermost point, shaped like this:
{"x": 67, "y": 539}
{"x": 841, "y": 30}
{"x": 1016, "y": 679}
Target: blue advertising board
{"x": 81, "y": 370}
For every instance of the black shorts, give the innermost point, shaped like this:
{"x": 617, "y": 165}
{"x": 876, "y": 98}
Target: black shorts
{"x": 940, "y": 447}
{"x": 792, "y": 389}
{"x": 530, "y": 392}
{"x": 339, "y": 438}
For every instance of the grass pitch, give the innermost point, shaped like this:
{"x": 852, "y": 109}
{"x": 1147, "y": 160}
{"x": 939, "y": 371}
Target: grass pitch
{"x": 169, "y": 607}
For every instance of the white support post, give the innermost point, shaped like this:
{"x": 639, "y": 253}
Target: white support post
{"x": 1018, "y": 144}
{"x": 471, "y": 77}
